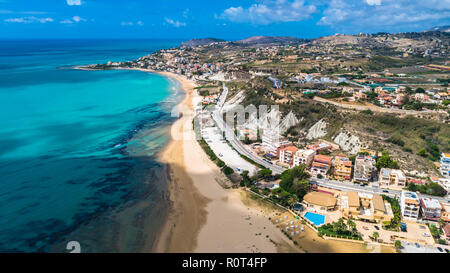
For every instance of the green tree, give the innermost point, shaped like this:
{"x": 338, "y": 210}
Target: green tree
{"x": 295, "y": 181}
{"x": 385, "y": 161}
{"x": 398, "y": 244}
{"x": 265, "y": 173}
{"x": 375, "y": 236}
{"x": 422, "y": 152}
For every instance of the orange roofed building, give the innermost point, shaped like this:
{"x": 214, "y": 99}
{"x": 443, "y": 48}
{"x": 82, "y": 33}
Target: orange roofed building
{"x": 287, "y": 155}
{"x": 342, "y": 168}
{"x": 320, "y": 165}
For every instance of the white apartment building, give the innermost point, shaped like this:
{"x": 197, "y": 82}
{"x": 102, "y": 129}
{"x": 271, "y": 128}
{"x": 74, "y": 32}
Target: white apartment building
{"x": 271, "y": 139}
{"x": 430, "y": 208}
{"x": 287, "y": 155}
{"x": 409, "y": 204}
{"x": 304, "y": 157}
{"x": 391, "y": 177}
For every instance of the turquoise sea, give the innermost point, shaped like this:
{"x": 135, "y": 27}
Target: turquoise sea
{"x": 78, "y": 148}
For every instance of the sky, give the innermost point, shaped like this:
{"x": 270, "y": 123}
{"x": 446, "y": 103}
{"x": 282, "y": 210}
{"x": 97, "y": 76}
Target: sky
{"x": 227, "y": 19}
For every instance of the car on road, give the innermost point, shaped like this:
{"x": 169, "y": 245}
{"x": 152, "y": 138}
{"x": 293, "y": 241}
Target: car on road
{"x": 446, "y": 250}
{"x": 417, "y": 245}
{"x": 440, "y": 249}
{"x": 362, "y": 185}
{"x": 377, "y": 228}
{"x": 220, "y": 154}
{"x": 426, "y": 235}
{"x": 385, "y": 191}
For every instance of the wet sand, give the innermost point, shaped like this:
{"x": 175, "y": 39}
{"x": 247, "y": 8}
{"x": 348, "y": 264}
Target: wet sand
{"x": 205, "y": 217}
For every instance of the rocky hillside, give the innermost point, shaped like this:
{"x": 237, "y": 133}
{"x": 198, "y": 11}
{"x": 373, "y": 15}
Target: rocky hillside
{"x": 269, "y": 40}
{"x": 199, "y": 42}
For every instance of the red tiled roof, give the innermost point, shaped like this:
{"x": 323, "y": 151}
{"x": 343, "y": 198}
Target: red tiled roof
{"x": 447, "y": 230}
{"x": 292, "y": 149}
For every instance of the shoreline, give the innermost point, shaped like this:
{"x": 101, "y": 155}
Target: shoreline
{"x": 203, "y": 216}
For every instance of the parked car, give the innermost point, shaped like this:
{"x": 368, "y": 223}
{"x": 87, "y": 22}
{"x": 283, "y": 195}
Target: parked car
{"x": 377, "y": 228}
{"x": 385, "y": 191}
{"x": 440, "y": 249}
{"x": 426, "y": 235}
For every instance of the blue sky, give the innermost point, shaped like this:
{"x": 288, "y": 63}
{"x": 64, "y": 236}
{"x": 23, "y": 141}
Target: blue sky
{"x": 229, "y": 19}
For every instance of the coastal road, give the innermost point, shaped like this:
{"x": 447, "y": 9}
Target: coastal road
{"x": 241, "y": 149}
{"x": 233, "y": 139}
{"x": 368, "y": 189}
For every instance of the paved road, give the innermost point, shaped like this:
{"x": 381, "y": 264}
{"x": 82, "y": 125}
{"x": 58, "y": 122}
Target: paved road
{"x": 240, "y": 148}
{"x": 369, "y": 189}
{"x": 233, "y": 140}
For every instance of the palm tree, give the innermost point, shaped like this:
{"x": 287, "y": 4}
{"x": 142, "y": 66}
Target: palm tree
{"x": 441, "y": 223}
{"x": 375, "y": 236}
{"x": 398, "y": 245}
{"x": 352, "y": 226}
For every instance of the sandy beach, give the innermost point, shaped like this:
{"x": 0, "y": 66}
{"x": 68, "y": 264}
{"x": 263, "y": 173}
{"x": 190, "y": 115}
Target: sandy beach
{"x": 206, "y": 217}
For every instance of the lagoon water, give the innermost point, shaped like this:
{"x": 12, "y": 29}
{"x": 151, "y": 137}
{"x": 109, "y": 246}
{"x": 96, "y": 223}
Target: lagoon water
{"x": 78, "y": 148}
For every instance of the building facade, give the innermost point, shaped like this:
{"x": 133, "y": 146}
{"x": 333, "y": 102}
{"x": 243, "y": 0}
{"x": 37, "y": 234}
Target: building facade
{"x": 320, "y": 165}
{"x": 430, "y": 208}
{"x": 342, "y": 168}
{"x": 391, "y": 177}
{"x": 364, "y": 169}
{"x": 366, "y": 207}
{"x": 304, "y": 157}
{"x": 409, "y": 204}
{"x": 445, "y": 165}
{"x": 287, "y": 155}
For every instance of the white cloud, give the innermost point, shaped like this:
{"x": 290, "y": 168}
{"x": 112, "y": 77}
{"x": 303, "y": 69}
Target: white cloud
{"x": 129, "y": 24}
{"x": 28, "y": 20}
{"x": 78, "y": 19}
{"x": 270, "y": 11}
{"x": 75, "y": 19}
{"x": 381, "y": 15}
{"x": 67, "y": 21}
{"x": 74, "y": 2}
{"x": 3, "y": 11}
{"x": 174, "y": 23}
{"x": 373, "y": 2}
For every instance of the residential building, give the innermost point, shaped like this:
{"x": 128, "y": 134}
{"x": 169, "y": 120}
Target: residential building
{"x": 366, "y": 207}
{"x": 319, "y": 147}
{"x": 430, "y": 208}
{"x": 319, "y": 201}
{"x": 342, "y": 168}
{"x": 272, "y": 140}
{"x": 282, "y": 144}
{"x": 359, "y": 95}
{"x": 391, "y": 177}
{"x": 445, "y": 164}
{"x": 276, "y": 83}
{"x": 447, "y": 231}
{"x": 304, "y": 157}
{"x": 287, "y": 155}
{"x": 320, "y": 165}
{"x": 409, "y": 204}
{"x": 364, "y": 169}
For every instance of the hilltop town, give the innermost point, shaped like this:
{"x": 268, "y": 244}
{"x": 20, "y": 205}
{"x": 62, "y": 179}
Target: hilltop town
{"x": 363, "y": 131}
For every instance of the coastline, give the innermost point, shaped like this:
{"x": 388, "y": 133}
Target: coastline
{"x": 205, "y": 217}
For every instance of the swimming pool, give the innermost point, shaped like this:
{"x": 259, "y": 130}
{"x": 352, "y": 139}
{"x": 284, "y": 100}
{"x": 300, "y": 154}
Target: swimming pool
{"x": 316, "y": 219}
